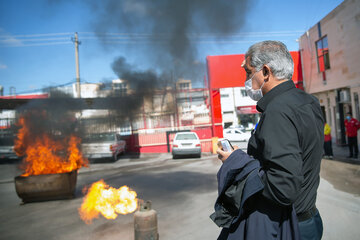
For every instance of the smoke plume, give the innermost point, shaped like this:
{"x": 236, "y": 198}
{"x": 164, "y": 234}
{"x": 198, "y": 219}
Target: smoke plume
{"x": 54, "y": 117}
{"x": 172, "y": 30}
{"x": 166, "y": 34}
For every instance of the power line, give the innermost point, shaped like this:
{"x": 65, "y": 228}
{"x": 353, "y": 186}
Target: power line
{"x": 34, "y": 44}
{"x": 116, "y": 34}
{"x": 33, "y": 35}
{"x": 42, "y": 89}
{"x": 47, "y": 39}
{"x": 43, "y": 39}
{"x": 197, "y": 34}
{"x": 144, "y": 35}
{"x": 198, "y": 41}
{"x": 191, "y": 37}
{"x": 24, "y": 40}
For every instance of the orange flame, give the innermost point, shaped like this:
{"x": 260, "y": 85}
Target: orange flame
{"x": 41, "y": 154}
{"x": 108, "y": 201}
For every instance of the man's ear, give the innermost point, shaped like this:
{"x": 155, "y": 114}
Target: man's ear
{"x": 266, "y": 72}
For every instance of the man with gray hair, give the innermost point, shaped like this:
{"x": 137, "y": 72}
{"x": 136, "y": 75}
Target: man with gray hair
{"x": 287, "y": 143}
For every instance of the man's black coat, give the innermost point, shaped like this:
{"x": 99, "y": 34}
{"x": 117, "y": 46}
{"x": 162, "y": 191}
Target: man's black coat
{"x": 242, "y": 211}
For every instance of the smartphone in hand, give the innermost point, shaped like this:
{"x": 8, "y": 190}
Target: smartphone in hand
{"x": 226, "y": 145}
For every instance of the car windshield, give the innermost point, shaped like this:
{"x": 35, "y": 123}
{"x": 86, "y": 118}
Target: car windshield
{"x": 99, "y": 137}
{"x": 240, "y": 131}
{"x": 189, "y": 136}
{"x": 7, "y": 139}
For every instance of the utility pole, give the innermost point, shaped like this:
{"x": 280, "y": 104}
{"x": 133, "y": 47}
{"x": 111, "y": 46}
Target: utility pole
{"x": 77, "y": 43}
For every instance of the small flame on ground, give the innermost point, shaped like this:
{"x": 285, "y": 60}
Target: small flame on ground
{"x": 107, "y": 201}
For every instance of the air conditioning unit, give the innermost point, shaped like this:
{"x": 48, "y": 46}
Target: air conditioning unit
{"x": 344, "y": 96}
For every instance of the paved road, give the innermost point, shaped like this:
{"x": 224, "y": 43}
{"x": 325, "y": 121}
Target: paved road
{"x": 339, "y": 200}
{"x": 182, "y": 191}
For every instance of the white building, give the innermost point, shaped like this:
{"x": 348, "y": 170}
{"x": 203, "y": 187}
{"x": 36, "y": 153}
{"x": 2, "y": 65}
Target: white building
{"x": 238, "y": 108}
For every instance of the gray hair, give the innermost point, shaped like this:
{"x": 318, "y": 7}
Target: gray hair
{"x": 275, "y": 55}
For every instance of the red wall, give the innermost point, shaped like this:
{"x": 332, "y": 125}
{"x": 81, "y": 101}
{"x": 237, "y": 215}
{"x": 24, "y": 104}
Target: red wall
{"x": 28, "y": 96}
{"x": 217, "y": 128}
{"x": 297, "y": 76}
{"x": 156, "y": 142}
{"x": 225, "y": 70}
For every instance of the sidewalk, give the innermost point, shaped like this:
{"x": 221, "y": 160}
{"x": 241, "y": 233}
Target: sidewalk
{"x": 341, "y": 153}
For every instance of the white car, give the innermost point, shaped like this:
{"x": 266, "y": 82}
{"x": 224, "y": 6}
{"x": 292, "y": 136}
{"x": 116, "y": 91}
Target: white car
{"x": 236, "y": 135}
{"x": 186, "y": 143}
{"x": 7, "y": 145}
{"x": 239, "y": 127}
{"x": 103, "y": 145}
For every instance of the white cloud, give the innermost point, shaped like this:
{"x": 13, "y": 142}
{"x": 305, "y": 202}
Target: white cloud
{"x": 3, "y": 66}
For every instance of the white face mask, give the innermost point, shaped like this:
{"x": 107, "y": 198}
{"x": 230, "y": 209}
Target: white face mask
{"x": 255, "y": 95}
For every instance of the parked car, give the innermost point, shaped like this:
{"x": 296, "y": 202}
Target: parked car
{"x": 7, "y": 145}
{"x": 236, "y": 135}
{"x": 240, "y": 127}
{"x": 186, "y": 143}
{"x": 103, "y": 145}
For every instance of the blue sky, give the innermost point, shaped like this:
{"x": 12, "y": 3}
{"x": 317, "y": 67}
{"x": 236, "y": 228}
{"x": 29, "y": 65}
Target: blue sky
{"x": 36, "y": 50}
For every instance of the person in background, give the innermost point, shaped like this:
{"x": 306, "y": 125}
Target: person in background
{"x": 352, "y": 126}
{"x": 327, "y": 142}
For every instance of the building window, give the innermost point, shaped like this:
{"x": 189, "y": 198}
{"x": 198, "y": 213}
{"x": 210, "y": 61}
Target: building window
{"x": 322, "y": 52}
{"x": 184, "y": 86}
{"x": 120, "y": 89}
{"x": 183, "y": 100}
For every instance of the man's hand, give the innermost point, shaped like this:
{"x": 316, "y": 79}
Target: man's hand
{"x": 224, "y": 155}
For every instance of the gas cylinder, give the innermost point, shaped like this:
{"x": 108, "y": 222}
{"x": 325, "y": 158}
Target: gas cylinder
{"x": 145, "y": 222}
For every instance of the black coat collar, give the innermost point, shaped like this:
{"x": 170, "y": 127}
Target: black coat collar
{"x": 268, "y": 97}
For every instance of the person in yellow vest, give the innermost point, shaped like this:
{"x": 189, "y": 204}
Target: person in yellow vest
{"x": 327, "y": 142}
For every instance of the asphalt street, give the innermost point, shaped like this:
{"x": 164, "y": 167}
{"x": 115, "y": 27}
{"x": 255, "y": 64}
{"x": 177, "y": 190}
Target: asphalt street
{"x": 182, "y": 192}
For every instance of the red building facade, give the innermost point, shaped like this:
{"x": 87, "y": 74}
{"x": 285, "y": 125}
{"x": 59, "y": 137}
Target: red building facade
{"x": 225, "y": 71}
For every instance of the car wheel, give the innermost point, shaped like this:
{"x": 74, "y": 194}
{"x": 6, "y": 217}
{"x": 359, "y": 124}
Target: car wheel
{"x": 174, "y": 156}
{"x": 199, "y": 156}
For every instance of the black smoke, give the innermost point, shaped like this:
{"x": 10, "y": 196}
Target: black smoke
{"x": 55, "y": 116}
{"x": 172, "y": 30}
{"x": 166, "y": 34}
{"x": 141, "y": 86}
